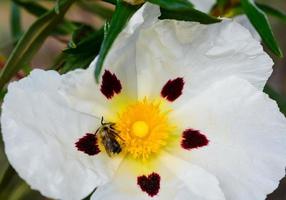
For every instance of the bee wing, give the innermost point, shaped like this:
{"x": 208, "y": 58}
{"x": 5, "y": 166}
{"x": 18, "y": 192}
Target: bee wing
{"x": 106, "y": 141}
{"x": 115, "y": 133}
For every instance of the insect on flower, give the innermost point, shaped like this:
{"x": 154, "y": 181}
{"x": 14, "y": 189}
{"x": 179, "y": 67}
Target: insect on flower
{"x": 108, "y": 135}
{"x": 185, "y": 117}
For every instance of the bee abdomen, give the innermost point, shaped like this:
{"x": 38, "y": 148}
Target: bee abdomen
{"x": 116, "y": 148}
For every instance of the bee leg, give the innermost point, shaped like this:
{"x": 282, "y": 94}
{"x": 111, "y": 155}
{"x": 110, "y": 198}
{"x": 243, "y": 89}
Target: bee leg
{"x": 97, "y": 130}
{"x": 112, "y": 129}
{"x": 108, "y": 153}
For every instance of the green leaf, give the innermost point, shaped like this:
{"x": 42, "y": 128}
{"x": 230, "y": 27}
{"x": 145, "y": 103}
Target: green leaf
{"x": 176, "y": 5}
{"x": 272, "y": 11}
{"x": 70, "y": 62}
{"x": 85, "y": 46}
{"x": 9, "y": 172}
{"x": 122, "y": 14}
{"x": 189, "y": 15}
{"x": 111, "y": 1}
{"x": 89, "y": 43}
{"x": 222, "y": 3}
{"x": 3, "y": 159}
{"x": 81, "y": 33}
{"x": 12, "y": 187}
{"x": 15, "y": 21}
{"x": 260, "y": 21}
{"x": 31, "y": 41}
{"x": 32, "y": 7}
{"x": 63, "y": 28}
{"x": 2, "y": 94}
{"x": 281, "y": 100}
{"x": 57, "y": 6}
{"x": 97, "y": 9}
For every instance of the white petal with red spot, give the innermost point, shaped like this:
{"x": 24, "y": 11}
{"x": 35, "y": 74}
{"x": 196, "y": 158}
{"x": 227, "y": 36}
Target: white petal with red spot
{"x": 201, "y": 54}
{"x": 180, "y": 180}
{"x": 158, "y": 51}
{"x": 123, "y": 65}
{"x": 40, "y": 132}
{"x": 81, "y": 91}
{"x": 246, "y": 133}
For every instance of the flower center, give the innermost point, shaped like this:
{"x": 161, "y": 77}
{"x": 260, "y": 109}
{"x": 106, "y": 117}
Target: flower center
{"x": 144, "y": 128}
{"x": 140, "y": 129}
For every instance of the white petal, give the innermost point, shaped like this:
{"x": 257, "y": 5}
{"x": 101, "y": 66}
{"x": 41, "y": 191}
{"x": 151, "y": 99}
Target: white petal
{"x": 180, "y": 180}
{"x": 243, "y": 20}
{"x": 83, "y": 94}
{"x": 202, "y": 54}
{"x": 121, "y": 58}
{"x": 199, "y": 184}
{"x": 82, "y": 90}
{"x": 40, "y": 132}
{"x": 204, "y": 5}
{"x": 247, "y": 136}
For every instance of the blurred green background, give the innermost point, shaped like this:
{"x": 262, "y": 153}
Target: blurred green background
{"x": 54, "y": 45}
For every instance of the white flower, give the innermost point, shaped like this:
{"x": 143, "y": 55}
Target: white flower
{"x": 206, "y": 5}
{"x": 187, "y": 103}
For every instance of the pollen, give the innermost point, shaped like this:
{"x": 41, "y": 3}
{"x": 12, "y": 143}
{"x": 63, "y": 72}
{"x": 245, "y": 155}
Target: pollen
{"x": 145, "y": 128}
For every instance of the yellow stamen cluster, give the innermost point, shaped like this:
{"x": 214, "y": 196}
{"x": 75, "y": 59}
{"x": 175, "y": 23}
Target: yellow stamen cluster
{"x": 144, "y": 128}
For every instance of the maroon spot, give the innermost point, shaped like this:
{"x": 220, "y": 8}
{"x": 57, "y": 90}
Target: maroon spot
{"x": 193, "y": 139}
{"x": 88, "y": 144}
{"x": 110, "y": 85}
{"x": 150, "y": 184}
{"x": 173, "y": 89}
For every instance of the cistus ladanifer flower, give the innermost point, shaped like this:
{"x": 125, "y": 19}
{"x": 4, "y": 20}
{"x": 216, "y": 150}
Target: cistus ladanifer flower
{"x": 179, "y": 114}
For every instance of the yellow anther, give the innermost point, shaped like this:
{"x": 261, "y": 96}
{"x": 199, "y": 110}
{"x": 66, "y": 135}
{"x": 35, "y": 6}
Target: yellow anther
{"x": 144, "y": 128}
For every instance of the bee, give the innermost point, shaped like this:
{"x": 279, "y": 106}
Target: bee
{"x": 108, "y": 135}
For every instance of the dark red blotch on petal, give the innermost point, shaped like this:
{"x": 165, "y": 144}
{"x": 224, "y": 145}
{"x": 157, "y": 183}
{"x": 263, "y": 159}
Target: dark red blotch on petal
{"x": 193, "y": 139}
{"x": 149, "y": 184}
{"x": 110, "y": 85}
{"x": 173, "y": 89}
{"x": 88, "y": 144}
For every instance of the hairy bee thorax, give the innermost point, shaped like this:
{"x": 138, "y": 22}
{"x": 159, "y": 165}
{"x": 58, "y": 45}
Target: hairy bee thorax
{"x": 109, "y": 136}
